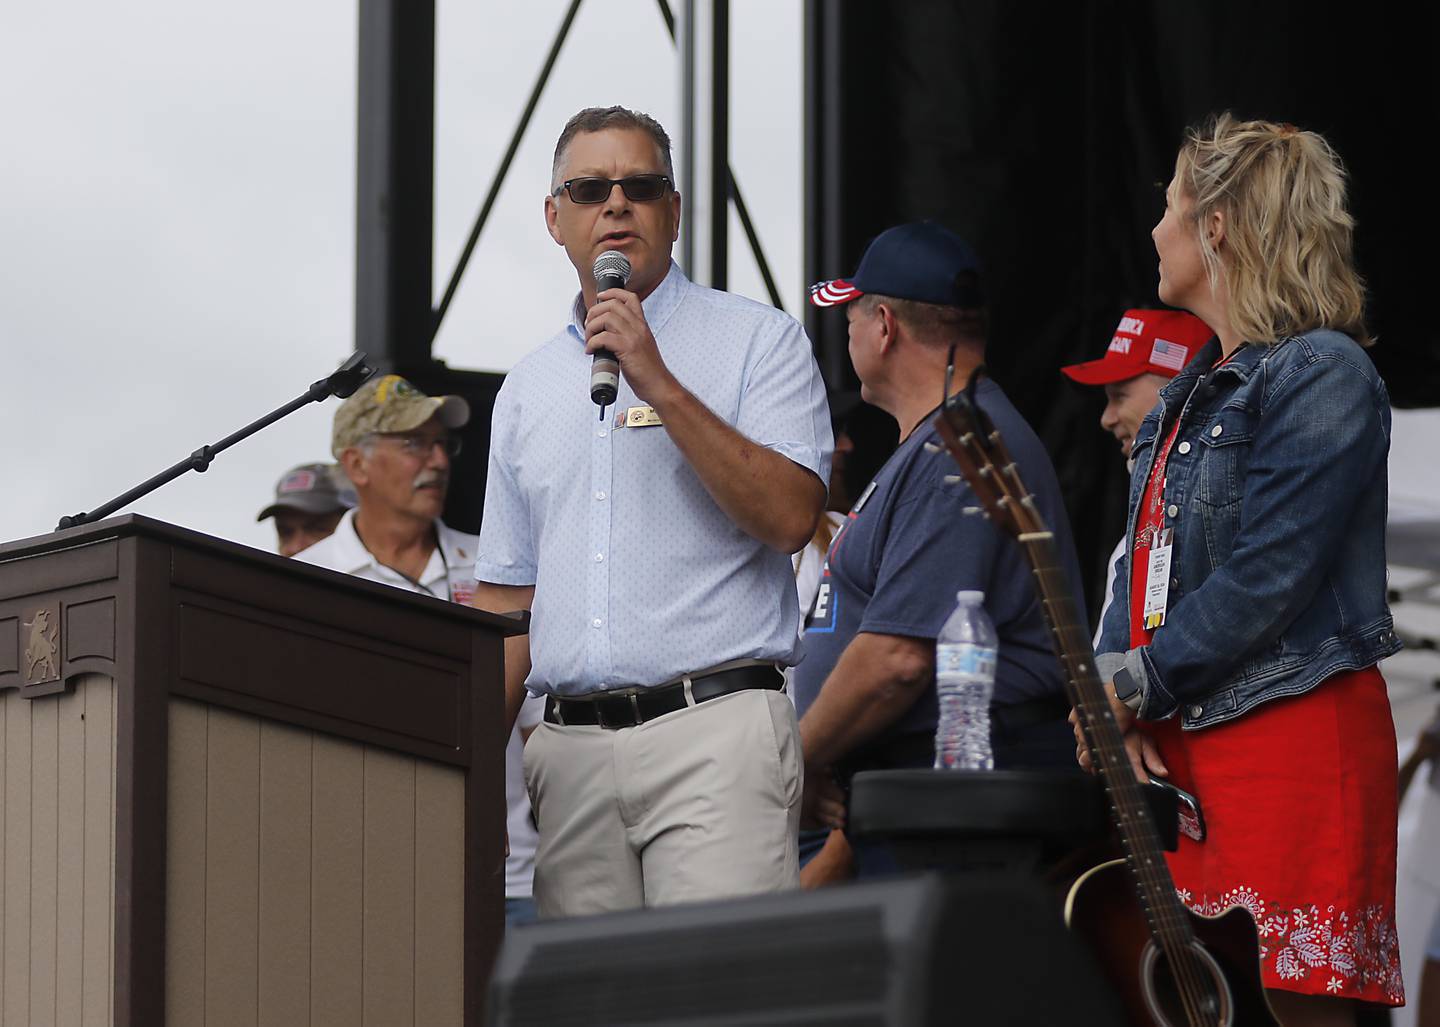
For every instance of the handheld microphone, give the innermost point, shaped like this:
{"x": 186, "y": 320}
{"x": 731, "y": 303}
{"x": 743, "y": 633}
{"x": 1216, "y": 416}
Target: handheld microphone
{"x": 612, "y": 271}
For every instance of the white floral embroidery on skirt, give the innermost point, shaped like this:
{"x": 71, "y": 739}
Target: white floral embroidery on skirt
{"x": 1357, "y": 949}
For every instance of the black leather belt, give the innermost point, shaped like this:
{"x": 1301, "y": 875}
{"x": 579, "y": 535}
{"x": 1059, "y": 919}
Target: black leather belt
{"x": 627, "y": 707}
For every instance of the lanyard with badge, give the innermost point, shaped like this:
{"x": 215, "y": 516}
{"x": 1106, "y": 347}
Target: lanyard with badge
{"x": 1154, "y": 531}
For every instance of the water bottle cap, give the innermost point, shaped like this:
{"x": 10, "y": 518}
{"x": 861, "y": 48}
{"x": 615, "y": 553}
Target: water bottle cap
{"x": 970, "y": 596}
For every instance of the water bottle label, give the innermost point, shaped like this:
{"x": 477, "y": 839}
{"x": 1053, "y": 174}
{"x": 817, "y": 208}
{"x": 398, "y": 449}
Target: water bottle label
{"x": 964, "y": 658}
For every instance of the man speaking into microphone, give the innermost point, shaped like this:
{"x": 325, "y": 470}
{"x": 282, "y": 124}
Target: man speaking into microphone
{"x": 652, "y": 548}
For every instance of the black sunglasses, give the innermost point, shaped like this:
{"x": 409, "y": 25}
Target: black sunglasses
{"x": 638, "y": 188}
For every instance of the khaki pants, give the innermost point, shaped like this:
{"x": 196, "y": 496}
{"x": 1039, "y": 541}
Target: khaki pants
{"x": 699, "y": 804}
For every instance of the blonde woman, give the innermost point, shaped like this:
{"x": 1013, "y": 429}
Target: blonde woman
{"x": 1249, "y": 613}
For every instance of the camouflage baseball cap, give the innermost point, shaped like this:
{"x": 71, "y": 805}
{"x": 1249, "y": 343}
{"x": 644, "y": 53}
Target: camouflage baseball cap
{"x": 311, "y": 488}
{"x": 391, "y": 404}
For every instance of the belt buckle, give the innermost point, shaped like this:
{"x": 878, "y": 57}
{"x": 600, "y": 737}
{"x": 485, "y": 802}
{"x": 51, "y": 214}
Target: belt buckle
{"x": 626, "y": 693}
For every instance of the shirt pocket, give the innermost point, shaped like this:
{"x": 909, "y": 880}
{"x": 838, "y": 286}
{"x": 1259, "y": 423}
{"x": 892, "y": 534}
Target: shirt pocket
{"x": 1222, "y": 448}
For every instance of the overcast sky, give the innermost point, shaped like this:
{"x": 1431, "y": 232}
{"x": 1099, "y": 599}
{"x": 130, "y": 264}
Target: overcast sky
{"x": 177, "y": 224}
{"x": 177, "y": 191}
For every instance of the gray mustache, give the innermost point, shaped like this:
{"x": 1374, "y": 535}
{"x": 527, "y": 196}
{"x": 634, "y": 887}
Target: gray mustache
{"x": 433, "y": 478}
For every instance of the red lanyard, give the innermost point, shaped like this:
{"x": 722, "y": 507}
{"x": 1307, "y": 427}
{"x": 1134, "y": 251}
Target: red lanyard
{"x": 1148, "y": 521}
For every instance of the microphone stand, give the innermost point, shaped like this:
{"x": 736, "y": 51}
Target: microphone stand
{"x": 342, "y": 383}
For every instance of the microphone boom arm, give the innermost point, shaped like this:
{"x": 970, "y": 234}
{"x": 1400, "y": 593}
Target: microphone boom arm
{"x": 342, "y": 383}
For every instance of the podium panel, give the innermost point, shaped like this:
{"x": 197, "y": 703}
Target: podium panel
{"x": 309, "y": 879}
{"x": 239, "y": 789}
{"x": 57, "y": 855}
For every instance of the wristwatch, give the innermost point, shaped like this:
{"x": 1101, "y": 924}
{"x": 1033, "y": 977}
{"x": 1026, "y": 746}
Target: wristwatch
{"x": 1127, "y": 689}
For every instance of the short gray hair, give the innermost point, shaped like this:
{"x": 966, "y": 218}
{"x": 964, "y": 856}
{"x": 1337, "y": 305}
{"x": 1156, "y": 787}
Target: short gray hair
{"x": 598, "y": 119}
{"x": 934, "y": 323}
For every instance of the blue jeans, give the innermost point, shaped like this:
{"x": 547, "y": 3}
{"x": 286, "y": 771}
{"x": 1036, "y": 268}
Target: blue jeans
{"x": 520, "y": 911}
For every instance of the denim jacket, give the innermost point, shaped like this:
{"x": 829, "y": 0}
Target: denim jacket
{"x": 1276, "y": 496}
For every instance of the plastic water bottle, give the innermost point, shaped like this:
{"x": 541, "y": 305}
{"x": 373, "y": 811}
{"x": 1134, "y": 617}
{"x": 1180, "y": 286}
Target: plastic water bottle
{"x": 964, "y": 685}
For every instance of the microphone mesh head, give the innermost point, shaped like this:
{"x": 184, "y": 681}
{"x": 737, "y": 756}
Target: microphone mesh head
{"x": 612, "y": 262}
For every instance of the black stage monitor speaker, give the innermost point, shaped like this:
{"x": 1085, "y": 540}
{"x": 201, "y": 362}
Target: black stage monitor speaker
{"x": 973, "y": 949}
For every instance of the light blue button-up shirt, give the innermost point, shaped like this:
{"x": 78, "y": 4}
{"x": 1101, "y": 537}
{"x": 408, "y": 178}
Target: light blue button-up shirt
{"x": 639, "y": 576}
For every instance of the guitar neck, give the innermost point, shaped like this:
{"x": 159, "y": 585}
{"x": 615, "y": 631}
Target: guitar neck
{"x": 1133, "y": 817}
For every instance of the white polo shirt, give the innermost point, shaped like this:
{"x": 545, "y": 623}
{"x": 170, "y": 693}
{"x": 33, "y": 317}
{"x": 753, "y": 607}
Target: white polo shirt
{"x": 450, "y": 574}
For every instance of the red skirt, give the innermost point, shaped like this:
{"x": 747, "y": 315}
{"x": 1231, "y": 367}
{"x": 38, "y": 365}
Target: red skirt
{"x": 1300, "y": 811}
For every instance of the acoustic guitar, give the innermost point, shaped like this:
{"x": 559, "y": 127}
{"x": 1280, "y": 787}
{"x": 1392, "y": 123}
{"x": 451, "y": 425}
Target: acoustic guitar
{"x": 1172, "y": 966}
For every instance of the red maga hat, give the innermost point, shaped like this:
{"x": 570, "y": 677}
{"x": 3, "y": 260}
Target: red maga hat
{"x": 1145, "y": 342}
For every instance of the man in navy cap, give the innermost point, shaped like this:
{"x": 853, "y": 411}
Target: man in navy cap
{"x": 866, "y": 688}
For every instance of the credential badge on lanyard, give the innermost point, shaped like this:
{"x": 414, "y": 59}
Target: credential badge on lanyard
{"x": 1157, "y": 580}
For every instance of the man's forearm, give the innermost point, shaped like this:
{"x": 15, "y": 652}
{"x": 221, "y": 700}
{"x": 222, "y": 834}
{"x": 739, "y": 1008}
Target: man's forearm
{"x": 517, "y": 669}
{"x": 876, "y": 680}
{"x": 505, "y": 599}
{"x": 768, "y": 496}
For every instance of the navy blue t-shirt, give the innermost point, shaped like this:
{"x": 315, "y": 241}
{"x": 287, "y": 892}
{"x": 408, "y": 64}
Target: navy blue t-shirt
{"x": 908, "y": 546}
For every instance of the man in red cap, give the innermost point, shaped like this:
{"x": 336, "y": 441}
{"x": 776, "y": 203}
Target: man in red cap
{"x": 1149, "y": 348}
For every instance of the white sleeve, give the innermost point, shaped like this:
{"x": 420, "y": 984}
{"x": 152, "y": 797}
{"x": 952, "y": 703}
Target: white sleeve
{"x": 506, "y": 549}
{"x": 532, "y": 711}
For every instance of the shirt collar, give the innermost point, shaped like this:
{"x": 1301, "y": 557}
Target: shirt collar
{"x": 658, "y": 306}
{"x": 454, "y": 550}
{"x": 1241, "y": 364}
{"x": 351, "y": 556}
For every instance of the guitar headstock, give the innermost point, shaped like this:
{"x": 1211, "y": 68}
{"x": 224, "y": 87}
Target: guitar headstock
{"x": 975, "y": 445}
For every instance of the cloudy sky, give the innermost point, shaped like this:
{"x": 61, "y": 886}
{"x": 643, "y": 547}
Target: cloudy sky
{"x": 177, "y": 224}
{"x": 177, "y": 190}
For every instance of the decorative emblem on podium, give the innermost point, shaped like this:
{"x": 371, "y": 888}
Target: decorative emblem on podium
{"x": 41, "y": 633}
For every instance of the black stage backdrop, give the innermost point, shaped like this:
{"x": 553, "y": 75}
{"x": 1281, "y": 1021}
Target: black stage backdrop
{"x": 1044, "y": 134}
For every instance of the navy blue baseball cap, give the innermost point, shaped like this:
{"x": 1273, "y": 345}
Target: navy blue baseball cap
{"x": 922, "y": 261}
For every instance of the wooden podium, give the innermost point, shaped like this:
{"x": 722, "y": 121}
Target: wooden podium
{"x": 239, "y": 789}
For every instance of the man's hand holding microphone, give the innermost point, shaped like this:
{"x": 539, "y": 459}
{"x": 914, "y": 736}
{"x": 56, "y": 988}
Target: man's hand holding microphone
{"x": 620, "y": 339}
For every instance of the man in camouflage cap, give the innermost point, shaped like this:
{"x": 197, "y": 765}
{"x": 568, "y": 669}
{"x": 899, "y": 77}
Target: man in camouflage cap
{"x": 390, "y": 405}
{"x": 309, "y": 501}
{"x": 394, "y": 443}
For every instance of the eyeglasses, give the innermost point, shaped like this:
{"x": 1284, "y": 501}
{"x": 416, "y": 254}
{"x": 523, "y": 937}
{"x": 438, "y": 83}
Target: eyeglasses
{"x": 420, "y": 445}
{"x": 638, "y": 188}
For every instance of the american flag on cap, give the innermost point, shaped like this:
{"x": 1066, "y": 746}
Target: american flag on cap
{"x": 1169, "y": 354}
{"x": 297, "y": 481}
{"x": 1145, "y": 342}
{"x": 833, "y": 293}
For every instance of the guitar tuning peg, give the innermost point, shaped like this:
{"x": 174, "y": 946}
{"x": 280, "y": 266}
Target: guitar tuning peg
{"x": 971, "y": 511}
{"x": 930, "y": 447}
{"x": 953, "y": 479}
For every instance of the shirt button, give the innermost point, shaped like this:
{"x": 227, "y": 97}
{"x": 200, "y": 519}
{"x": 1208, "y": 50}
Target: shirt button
{"x": 1215, "y": 431}
{"x": 1184, "y": 447}
{"x": 596, "y": 622}
{"x": 600, "y": 495}
{"x": 1172, "y": 510}
{"x": 599, "y": 433}
{"x": 1195, "y": 711}
{"x": 599, "y": 557}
